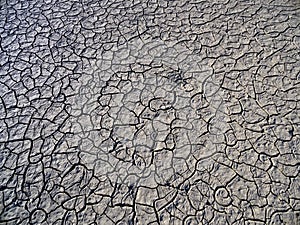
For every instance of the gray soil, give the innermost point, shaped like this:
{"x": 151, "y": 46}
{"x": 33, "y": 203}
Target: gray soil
{"x": 149, "y": 112}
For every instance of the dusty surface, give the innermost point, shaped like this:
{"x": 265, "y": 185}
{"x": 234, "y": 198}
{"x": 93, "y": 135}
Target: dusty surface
{"x": 149, "y": 112}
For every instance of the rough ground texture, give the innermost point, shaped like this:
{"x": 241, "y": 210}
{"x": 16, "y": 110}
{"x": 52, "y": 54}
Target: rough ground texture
{"x": 149, "y": 112}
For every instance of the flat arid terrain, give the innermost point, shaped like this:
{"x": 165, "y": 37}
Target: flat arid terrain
{"x": 149, "y": 112}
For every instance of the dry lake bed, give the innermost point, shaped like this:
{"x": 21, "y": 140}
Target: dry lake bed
{"x": 149, "y": 112}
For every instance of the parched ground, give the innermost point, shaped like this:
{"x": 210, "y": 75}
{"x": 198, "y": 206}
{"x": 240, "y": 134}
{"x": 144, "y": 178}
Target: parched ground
{"x": 149, "y": 112}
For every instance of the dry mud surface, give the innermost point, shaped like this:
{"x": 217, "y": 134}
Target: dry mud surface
{"x": 149, "y": 112}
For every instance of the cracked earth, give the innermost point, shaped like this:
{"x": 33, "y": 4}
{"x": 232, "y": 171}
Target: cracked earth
{"x": 149, "y": 112}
